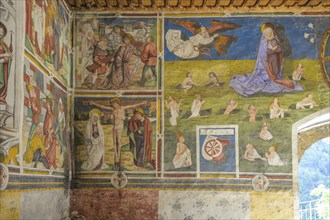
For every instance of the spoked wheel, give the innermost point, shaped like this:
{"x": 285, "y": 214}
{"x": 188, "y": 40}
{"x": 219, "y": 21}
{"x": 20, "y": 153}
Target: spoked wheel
{"x": 213, "y": 148}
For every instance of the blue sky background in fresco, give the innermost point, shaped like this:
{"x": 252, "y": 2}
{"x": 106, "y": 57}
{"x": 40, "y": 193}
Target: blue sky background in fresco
{"x": 249, "y": 36}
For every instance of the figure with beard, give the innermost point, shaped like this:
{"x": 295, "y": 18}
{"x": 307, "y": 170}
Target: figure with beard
{"x": 121, "y": 75}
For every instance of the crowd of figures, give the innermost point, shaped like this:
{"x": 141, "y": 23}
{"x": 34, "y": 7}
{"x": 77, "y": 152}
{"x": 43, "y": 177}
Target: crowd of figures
{"x": 112, "y": 61}
{"x": 275, "y": 109}
{"x": 275, "y": 112}
{"x": 47, "y": 28}
{"x": 267, "y": 77}
{"x": 139, "y": 131}
{"x": 47, "y": 137}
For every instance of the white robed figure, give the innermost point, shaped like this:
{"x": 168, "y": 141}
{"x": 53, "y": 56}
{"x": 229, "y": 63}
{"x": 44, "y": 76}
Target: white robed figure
{"x": 174, "y": 115}
{"x": 174, "y": 107}
{"x": 273, "y": 158}
{"x": 187, "y": 49}
{"x": 94, "y": 143}
{"x": 182, "y": 157}
{"x": 196, "y": 106}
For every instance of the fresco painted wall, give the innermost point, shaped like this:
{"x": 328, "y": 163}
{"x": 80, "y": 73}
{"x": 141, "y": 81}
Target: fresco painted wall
{"x": 114, "y": 133}
{"x": 232, "y": 88}
{"x": 10, "y": 66}
{"x": 47, "y": 36}
{"x": 34, "y": 140}
{"x": 212, "y": 77}
{"x": 228, "y": 69}
{"x": 191, "y": 110}
{"x": 46, "y": 122}
{"x": 105, "y": 61}
{"x": 11, "y": 47}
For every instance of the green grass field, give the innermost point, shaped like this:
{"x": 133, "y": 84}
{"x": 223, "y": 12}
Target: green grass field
{"x": 216, "y": 99}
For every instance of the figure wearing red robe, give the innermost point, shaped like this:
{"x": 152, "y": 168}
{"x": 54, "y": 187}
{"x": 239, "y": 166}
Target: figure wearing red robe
{"x": 50, "y": 137}
{"x": 149, "y": 58}
{"x": 49, "y": 44}
{"x": 132, "y": 127}
{"x": 143, "y": 140}
{"x": 28, "y": 19}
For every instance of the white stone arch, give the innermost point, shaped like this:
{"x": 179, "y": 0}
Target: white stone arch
{"x": 312, "y": 121}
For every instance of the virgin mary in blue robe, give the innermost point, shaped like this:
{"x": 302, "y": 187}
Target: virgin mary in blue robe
{"x": 267, "y": 75}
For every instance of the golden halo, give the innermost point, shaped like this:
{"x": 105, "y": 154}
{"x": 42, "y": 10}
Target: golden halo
{"x": 115, "y": 100}
{"x": 95, "y": 111}
{"x": 140, "y": 111}
{"x": 266, "y": 25}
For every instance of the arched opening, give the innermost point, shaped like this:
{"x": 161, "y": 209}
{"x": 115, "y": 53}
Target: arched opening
{"x": 314, "y": 182}
{"x": 307, "y": 132}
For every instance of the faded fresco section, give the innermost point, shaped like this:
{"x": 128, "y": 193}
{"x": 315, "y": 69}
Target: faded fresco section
{"x": 47, "y": 36}
{"x": 203, "y": 205}
{"x": 57, "y": 204}
{"x": 139, "y": 204}
{"x": 10, "y": 205}
{"x": 272, "y": 205}
{"x": 116, "y": 53}
{"x": 26, "y": 204}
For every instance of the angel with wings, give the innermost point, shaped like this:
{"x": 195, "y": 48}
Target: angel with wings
{"x": 202, "y": 41}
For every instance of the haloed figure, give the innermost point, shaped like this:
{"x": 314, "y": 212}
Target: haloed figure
{"x": 140, "y": 132}
{"x": 94, "y": 143}
{"x": 117, "y": 130}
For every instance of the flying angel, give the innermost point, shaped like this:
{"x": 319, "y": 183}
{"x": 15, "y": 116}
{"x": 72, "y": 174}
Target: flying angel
{"x": 202, "y": 41}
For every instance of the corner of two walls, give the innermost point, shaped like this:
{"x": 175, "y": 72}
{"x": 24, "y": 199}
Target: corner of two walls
{"x": 35, "y": 115}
